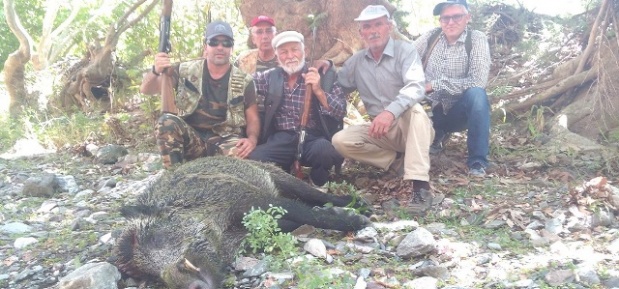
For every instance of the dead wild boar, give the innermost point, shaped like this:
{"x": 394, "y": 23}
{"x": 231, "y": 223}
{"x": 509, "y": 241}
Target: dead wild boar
{"x": 187, "y": 227}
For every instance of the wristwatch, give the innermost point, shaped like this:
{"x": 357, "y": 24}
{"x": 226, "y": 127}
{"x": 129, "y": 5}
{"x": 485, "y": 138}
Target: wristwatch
{"x": 154, "y": 71}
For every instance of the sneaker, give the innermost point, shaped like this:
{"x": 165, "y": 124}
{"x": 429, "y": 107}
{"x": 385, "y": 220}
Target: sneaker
{"x": 440, "y": 138}
{"x": 477, "y": 170}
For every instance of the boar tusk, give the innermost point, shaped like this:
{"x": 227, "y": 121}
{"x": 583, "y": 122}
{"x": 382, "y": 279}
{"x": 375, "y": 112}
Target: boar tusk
{"x": 191, "y": 266}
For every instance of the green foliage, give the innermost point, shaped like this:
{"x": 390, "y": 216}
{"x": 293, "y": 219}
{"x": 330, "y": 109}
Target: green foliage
{"x": 264, "y": 233}
{"x": 67, "y": 130}
{"x": 344, "y": 188}
{"x": 31, "y": 16}
{"x": 311, "y": 274}
{"x": 536, "y": 120}
{"x": 10, "y": 131}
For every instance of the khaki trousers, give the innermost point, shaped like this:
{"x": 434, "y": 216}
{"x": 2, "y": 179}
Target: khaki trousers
{"x": 411, "y": 133}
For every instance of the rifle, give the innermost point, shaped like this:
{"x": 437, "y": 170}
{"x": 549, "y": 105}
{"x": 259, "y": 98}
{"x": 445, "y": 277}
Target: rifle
{"x": 307, "y": 104}
{"x": 167, "y": 90}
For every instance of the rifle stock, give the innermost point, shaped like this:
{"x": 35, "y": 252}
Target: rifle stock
{"x": 167, "y": 89}
{"x": 307, "y": 104}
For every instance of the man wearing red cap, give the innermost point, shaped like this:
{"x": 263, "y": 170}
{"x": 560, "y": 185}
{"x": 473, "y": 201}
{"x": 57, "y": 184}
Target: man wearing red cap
{"x": 262, "y": 55}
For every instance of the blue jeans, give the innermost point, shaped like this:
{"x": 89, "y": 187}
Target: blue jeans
{"x": 471, "y": 112}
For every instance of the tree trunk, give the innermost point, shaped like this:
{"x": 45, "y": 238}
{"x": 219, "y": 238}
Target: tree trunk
{"x": 87, "y": 84}
{"x": 337, "y": 35}
{"x": 15, "y": 64}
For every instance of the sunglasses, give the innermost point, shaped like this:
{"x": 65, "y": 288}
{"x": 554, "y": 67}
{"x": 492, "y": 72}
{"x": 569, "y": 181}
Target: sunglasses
{"x": 225, "y": 42}
{"x": 456, "y": 18}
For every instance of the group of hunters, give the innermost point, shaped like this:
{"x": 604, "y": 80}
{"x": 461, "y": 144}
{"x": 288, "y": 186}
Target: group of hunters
{"x": 253, "y": 107}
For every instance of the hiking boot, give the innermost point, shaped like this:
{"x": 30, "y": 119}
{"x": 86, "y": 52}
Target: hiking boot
{"x": 477, "y": 170}
{"x": 422, "y": 200}
{"x": 440, "y": 138}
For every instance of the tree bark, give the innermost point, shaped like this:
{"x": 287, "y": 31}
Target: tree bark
{"x": 15, "y": 64}
{"x": 95, "y": 71}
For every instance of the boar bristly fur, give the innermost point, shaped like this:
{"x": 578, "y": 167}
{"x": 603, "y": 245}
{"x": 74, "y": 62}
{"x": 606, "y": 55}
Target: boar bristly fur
{"x": 187, "y": 227}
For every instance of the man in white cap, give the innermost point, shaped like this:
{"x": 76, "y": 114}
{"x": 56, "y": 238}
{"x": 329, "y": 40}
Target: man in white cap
{"x": 390, "y": 81}
{"x": 215, "y": 103}
{"x": 284, "y": 89}
{"x": 457, "y": 65}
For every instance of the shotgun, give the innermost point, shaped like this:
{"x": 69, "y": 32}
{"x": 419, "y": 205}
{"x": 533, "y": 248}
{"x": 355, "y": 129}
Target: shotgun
{"x": 167, "y": 89}
{"x": 307, "y": 104}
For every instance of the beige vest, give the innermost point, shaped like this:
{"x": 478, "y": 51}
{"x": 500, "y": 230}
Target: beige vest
{"x": 189, "y": 92}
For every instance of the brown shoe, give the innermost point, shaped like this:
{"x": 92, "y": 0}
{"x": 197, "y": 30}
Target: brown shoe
{"x": 422, "y": 200}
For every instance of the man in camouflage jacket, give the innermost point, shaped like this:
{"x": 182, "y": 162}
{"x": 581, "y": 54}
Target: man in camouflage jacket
{"x": 215, "y": 103}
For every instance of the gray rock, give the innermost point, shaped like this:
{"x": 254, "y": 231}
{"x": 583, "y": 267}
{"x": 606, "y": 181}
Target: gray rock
{"x": 24, "y": 242}
{"x": 44, "y": 185}
{"x": 559, "y": 277}
{"x": 67, "y": 184}
{"x": 92, "y": 276}
{"x": 15, "y": 228}
{"x": 416, "y": 243}
{"x": 110, "y": 154}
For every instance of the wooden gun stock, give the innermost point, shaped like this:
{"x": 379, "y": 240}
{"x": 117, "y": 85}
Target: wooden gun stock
{"x": 166, "y": 82}
{"x": 307, "y": 104}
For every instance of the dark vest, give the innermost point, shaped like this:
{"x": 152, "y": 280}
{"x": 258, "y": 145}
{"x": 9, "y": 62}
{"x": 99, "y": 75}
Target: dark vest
{"x": 328, "y": 125}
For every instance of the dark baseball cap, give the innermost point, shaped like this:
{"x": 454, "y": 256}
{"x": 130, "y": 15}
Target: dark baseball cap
{"x": 439, "y": 7}
{"x": 262, "y": 18}
{"x": 216, "y": 28}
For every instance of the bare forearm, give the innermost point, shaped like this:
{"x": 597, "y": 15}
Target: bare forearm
{"x": 150, "y": 84}
{"x": 253, "y": 123}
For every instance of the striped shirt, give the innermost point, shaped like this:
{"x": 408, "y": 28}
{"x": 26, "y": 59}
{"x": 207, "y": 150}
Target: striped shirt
{"x": 288, "y": 115}
{"x": 447, "y": 66}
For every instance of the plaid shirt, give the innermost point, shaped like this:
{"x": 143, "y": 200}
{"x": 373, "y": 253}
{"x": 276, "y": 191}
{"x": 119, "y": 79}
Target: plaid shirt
{"x": 288, "y": 115}
{"x": 447, "y": 66}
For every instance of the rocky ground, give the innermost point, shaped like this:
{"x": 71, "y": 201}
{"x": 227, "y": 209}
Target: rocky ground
{"x": 542, "y": 218}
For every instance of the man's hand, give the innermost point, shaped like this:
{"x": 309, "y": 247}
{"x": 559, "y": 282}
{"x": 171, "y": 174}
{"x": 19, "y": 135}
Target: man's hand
{"x": 244, "y": 147}
{"x": 313, "y": 77}
{"x": 162, "y": 61}
{"x": 429, "y": 88}
{"x": 381, "y": 124}
{"x": 321, "y": 65}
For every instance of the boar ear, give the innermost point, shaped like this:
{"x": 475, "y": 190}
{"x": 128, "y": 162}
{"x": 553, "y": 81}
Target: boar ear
{"x": 134, "y": 212}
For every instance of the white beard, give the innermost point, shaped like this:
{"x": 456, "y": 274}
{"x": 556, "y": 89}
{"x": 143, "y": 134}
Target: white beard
{"x": 292, "y": 70}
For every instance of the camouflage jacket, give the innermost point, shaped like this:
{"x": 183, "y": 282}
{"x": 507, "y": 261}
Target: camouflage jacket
{"x": 190, "y": 90}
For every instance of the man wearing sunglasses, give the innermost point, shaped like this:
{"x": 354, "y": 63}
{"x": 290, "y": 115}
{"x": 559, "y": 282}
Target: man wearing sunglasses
{"x": 456, "y": 64}
{"x": 216, "y": 105}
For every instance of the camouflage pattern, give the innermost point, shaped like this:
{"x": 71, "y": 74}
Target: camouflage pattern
{"x": 249, "y": 62}
{"x": 178, "y": 142}
{"x": 190, "y": 90}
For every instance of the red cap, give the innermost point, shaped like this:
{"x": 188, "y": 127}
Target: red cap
{"x": 262, "y": 18}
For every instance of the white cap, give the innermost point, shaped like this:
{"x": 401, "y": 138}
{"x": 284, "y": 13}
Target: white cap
{"x": 285, "y": 37}
{"x": 372, "y": 12}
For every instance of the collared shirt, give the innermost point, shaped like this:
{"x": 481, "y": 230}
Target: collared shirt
{"x": 288, "y": 115}
{"x": 394, "y": 83}
{"x": 447, "y": 66}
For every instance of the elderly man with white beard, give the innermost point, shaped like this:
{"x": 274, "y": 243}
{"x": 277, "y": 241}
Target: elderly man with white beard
{"x": 284, "y": 89}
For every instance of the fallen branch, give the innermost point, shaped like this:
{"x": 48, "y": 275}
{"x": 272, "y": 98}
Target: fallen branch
{"x": 561, "y": 87}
